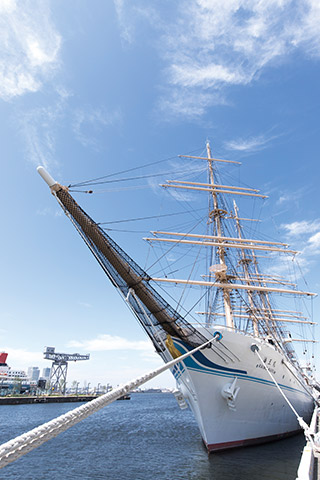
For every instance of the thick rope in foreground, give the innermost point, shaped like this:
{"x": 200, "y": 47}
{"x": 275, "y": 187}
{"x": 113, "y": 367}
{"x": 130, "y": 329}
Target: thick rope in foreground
{"x": 19, "y": 446}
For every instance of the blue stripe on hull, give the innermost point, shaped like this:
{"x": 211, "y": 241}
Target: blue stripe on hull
{"x": 206, "y": 366}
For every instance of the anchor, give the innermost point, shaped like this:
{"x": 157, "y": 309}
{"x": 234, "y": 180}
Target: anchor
{"x": 230, "y": 392}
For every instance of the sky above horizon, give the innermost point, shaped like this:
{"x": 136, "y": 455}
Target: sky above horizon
{"x": 110, "y": 86}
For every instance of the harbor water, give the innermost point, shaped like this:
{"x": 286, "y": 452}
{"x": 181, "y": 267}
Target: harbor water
{"x": 147, "y": 437}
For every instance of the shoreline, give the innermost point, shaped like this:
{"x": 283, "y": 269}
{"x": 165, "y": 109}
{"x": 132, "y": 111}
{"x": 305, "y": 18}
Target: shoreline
{"x": 34, "y": 399}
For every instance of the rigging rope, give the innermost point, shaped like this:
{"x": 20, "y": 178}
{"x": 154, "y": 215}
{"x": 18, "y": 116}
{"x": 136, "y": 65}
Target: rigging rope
{"x": 152, "y": 216}
{"x": 87, "y": 182}
{"x": 140, "y": 177}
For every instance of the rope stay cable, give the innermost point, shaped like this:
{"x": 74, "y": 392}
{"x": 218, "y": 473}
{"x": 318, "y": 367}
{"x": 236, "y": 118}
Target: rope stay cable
{"x": 19, "y": 446}
{"x": 140, "y": 177}
{"x": 88, "y": 182}
{"x": 149, "y": 217}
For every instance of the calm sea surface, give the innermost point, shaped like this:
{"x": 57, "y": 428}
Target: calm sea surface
{"x": 148, "y": 437}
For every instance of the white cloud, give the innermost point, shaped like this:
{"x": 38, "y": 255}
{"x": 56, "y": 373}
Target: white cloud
{"x": 130, "y": 14}
{"x": 44, "y": 212}
{"x": 285, "y": 197}
{"x": 105, "y": 342}
{"x": 181, "y": 196}
{"x": 250, "y": 144}
{"x": 220, "y": 44}
{"x": 38, "y": 127}
{"x": 85, "y": 305}
{"x": 182, "y": 101}
{"x": 177, "y": 171}
{"x": 19, "y": 358}
{"x": 125, "y": 27}
{"x": 314, "y": 241}
{"x": 208, "y": 45}
{"x": 290, "y": 269}
{"x": 301, "y": 228}
{"x": 171, "y": 258}
{"x": 29, "y": 47}
{"x": 205, "y": 75}
{"x": 308, "y": 246}
{"x": 292, "y": 197}
{"x": 89, "y": 122}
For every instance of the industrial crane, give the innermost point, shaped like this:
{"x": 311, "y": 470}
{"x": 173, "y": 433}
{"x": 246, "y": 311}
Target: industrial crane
{"x": 58, "y": 375}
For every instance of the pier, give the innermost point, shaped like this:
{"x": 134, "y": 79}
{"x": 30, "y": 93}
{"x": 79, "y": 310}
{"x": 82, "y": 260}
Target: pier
{"x": 31, "y": 399}
{"x": 309, "y": 463}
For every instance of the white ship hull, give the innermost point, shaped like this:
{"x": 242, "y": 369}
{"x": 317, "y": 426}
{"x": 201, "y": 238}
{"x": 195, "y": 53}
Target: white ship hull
{"x": 259, "y": 412}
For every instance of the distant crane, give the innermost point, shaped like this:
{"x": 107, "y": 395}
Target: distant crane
{"x": 58, "y": 375}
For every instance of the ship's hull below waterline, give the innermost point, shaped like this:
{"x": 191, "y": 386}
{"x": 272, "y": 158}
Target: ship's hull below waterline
{"x": 232, "y": 395}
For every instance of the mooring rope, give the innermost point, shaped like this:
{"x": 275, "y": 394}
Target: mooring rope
{"x": 303, "y": 386}
{"x": 301, "y": 422}
{"x": 19, "y": 446}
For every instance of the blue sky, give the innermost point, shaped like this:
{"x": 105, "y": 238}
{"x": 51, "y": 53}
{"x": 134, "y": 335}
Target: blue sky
{"x": 103, "y": 87}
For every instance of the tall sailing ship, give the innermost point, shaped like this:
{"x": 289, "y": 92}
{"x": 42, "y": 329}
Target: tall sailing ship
{"x": 240, "y": 388}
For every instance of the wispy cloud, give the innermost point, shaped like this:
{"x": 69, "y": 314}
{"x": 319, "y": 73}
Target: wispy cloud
{"x": 314, "y": 242}
{"x": 38, "y": 127}
{"x": 209, "y": 45}
{"x": 21, "y": 359}
{"x": 250, "y": 144}
{"x": 29, "y": 47}
{"x": 285, "y": 197}
{"x": 299, "y": 234}
{"x": 301, "y": 228}
{"x": 90, "y": 121}
{"x": 130, "y": 14}
{"x": 288, "y": 270}
{"x": 292, "y": 197}
{"x": 105, "y": 342}
{"x": 85, "y": 305}
{"x": 126, "y": 27}
{"x": 204, "y": 75}
{"x": 44, "y": 212}
{"x": 178, "y": 170}
{"x": 220, "y": 44}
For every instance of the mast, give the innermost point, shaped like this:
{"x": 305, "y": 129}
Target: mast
{"x": 220, "y": 250}
{"x": 245, "y": 261}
